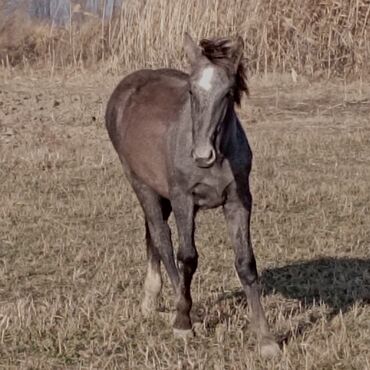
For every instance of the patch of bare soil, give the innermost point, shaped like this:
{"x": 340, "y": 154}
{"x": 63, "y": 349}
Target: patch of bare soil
{"x": 72, "y": 254}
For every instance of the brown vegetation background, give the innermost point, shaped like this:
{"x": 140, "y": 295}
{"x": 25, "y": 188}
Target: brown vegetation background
{"x": 312, "y": 37}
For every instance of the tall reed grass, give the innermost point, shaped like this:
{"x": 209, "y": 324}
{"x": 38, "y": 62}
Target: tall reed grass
{"x": 311, "y": 37}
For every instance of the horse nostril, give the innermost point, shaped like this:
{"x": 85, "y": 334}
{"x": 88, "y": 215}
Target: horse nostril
{"x": 211, "y": 155}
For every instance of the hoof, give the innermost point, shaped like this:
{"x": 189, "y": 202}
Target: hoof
{"x": 269, "y": 348}
{"x": 183, "y": 333}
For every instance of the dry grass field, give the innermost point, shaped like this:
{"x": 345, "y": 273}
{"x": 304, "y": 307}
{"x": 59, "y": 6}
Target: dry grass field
{"x": 72, "y": 254}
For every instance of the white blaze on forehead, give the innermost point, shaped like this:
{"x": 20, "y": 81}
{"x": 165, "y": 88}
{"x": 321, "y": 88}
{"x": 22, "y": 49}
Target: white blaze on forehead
{"x": 206, "y": 78}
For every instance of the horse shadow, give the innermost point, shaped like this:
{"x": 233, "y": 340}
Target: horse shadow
{"x": 338, "y": 283}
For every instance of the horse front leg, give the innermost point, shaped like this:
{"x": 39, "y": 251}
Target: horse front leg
{"x": 187, "y": 261}
{"x": 237, "y": 210}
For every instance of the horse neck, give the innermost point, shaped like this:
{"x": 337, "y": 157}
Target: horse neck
{"x": 228, "y": 130}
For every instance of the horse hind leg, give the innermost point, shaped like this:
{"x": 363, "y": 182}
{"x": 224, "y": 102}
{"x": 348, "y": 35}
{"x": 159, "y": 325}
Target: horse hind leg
{"x": 153, "y": 279}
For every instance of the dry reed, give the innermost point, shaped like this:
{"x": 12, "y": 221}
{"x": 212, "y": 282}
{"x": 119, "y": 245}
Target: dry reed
{"x": 311, "y": 37}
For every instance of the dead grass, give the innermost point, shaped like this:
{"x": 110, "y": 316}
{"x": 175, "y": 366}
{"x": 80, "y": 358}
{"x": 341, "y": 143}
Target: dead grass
{"x": 72, "y": 256}
{"x": 314, "y": 38}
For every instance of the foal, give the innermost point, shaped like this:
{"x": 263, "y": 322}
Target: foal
{"x": 183, "y": 148}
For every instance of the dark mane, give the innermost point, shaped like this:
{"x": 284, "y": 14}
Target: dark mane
{"x": 221, "y": 51}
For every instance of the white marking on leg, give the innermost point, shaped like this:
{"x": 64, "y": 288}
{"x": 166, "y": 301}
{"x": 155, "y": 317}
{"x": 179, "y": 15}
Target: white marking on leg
{"x": 183, "y": 333}
{"x": 153, "y": 280}
{"x": 206, "y": 78}
{"x": 152, "y": 288}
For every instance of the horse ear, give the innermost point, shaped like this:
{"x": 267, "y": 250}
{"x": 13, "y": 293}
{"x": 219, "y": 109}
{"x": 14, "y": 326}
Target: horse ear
{"x": 192, "y": 50}
{"x": 237, "y": 51}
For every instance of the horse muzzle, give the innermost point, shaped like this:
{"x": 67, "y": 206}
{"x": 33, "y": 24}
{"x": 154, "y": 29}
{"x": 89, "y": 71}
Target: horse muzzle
{"x": 204, "y": 157}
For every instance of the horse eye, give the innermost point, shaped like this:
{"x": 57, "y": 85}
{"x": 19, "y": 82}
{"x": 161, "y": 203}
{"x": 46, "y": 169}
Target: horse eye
{"x": 190, "y": 92}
